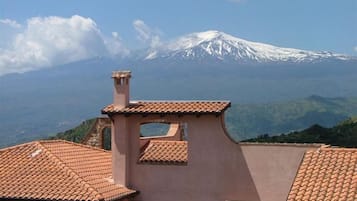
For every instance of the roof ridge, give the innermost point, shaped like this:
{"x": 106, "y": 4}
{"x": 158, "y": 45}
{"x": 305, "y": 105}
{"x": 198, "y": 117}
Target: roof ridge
{"x": 297, "y": 173}
{"x": 180, "y": 101}
{"x": 67, "y": 169}
{"x": 320, "y": 145}
{"x": 169, "y": 141}
{"x": 338, "y": 149}
{"x": 76, "y": 144}
{"x": 170, "y": 108}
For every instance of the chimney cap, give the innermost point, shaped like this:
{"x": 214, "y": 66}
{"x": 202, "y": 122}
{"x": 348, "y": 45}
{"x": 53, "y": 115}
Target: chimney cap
{"x": 121, "y": 74}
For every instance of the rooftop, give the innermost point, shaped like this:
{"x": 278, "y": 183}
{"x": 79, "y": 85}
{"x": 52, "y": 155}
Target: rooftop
{"x": 326, "y": 174}
{"x": 164, "y": 152}
{"x": 58, "y": 170}
{"x": 170, "y": 107}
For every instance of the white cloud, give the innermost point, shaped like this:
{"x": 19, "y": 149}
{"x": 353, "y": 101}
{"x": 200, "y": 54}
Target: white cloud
{"x": 115, "y": 46}
{"x": 11, "y": 23}
{"x": 48, "y": 41}
{"x": 355, "y": 48}
{"x": 8, "y": 30}
{"x": 147, "y": 34}
{"x": 115, "y": 34}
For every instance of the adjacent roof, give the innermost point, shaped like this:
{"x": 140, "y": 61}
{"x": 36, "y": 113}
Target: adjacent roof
{"x": 164, "y": 152}
{"x": 326, "y": 174}
{"x": 57, "y": 170}
{"x": 170, "y": 107}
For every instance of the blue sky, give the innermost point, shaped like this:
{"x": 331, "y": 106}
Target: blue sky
{"x": 315, "y": 25}
{"x": 328, "y": 25}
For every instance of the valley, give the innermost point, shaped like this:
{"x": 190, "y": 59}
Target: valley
{"x": 271, "y": 91}
{"x": 243, "y": 120}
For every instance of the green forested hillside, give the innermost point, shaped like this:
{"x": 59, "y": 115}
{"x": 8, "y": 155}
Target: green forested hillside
{"x": 343, "y": 134}
{"x": 76, "y": 134}
{"x": 246, "y": 121}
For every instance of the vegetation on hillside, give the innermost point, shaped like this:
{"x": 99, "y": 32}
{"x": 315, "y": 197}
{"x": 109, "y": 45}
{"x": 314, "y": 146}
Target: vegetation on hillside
{"x": 244, "y": 121}
{"x": 249, "y": 120}
{"x": 76, "y": 134}
{"x": 343, "y": 135}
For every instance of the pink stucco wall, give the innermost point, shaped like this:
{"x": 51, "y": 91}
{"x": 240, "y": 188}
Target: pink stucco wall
{"x": 273, "y": 167}
{"x": 216, "y": 168}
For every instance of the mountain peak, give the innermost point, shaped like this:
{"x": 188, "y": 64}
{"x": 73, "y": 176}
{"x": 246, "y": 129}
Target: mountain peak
{"x": 208, "y": 35}
{"x": 197, "y": 38}
{"x": 218, "y": 45}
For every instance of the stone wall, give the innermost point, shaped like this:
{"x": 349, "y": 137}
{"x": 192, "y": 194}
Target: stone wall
{"x": 95, "y": 135}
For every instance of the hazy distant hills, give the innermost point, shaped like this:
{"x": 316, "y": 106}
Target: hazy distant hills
{"x": 247, "y": 120}
{"x": 206, "y": 65}
{"x": 243, "y": 120}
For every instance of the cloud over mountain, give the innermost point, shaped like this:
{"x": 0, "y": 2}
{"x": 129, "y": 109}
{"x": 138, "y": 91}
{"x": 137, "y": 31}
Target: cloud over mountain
{"x": 48, "y": 41}
{"x": 146, "y": 34}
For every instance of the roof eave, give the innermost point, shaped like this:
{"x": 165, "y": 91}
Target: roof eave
{"x": 216, "y": 113}
{"x": 163, "y": 113}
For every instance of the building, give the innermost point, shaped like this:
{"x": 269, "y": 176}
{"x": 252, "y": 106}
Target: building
{"x": 195, "y": 161}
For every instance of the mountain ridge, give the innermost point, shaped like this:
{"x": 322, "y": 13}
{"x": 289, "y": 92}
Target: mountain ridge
{"x": 343, "y": 134}
{"x": 223, "y": 46}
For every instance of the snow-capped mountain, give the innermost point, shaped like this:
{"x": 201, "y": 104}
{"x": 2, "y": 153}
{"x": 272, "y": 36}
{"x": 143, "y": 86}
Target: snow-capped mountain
{"x": 222, "y": 46}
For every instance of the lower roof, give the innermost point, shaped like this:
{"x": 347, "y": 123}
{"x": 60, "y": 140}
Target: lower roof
{"x": 164, "y": 152}
{"x": 326, "y": 174}
{"x": 58, "y": 170}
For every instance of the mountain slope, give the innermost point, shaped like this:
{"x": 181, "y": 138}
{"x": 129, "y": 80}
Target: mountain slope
{"x": 343, "y": 134}
{"x": 222, "y": 46}
{"x": 77, "y": 133}
{"x": 247, "y": 120}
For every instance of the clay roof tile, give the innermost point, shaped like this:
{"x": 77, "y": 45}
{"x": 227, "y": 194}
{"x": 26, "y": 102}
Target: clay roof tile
{"x": 326, "y": 174}
{"x": 164, "y": 152}
{"x": 170, "y": 107}
{"x": 51, "y": 170}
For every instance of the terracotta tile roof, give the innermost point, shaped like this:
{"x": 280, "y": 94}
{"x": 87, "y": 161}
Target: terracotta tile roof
{"x": 164, "y": 152}
{"x": 57, "y": 170}
{"x": 170, "y": 107}
{"x": 326, "y": 174}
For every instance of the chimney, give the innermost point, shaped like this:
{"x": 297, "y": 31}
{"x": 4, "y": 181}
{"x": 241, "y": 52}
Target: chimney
{"x": 120, "y": 130}
{"x": 121, "y": 88}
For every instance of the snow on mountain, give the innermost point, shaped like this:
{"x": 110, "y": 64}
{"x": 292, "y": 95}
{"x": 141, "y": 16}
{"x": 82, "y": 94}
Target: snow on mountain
{"x": 223, "y": 46}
